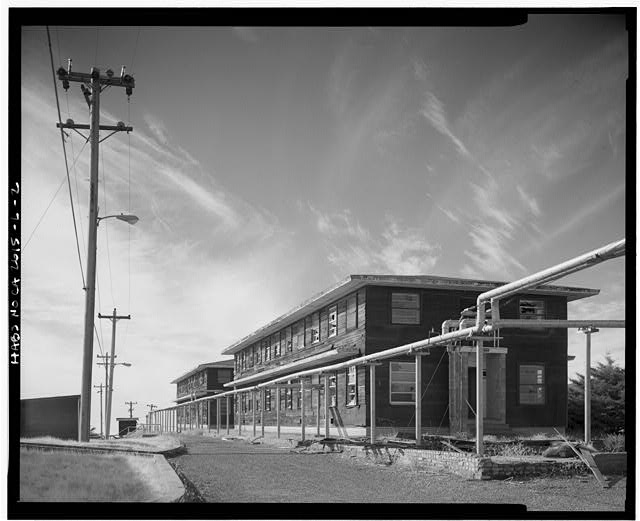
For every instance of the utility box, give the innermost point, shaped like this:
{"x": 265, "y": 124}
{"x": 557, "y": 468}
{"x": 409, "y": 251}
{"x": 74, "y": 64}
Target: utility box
{"x": 126, "y": 425}
{"x": 55, "y": 416}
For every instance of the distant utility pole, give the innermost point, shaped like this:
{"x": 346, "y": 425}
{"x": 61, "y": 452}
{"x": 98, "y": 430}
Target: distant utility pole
{"x": 100, "y": 393}
{"x": 114, "y": 318}
{"x": 96, "y": 83}
{"x": 131, "y": 404}
{"x": 152, "y": 407}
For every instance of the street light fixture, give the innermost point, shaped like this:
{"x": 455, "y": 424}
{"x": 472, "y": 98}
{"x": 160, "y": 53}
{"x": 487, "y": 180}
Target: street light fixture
{"x": 131, "y": 219}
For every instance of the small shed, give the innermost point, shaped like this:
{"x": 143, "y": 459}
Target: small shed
{"x": 126, "y": 425}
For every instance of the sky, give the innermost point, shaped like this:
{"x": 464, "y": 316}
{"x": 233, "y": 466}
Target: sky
{"x": 266, "y": 164}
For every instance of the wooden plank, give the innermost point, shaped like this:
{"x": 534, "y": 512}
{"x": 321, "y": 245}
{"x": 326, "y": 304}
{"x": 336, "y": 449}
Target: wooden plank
{"x": 452, "y": 447}
{"x": 588, "y": 461}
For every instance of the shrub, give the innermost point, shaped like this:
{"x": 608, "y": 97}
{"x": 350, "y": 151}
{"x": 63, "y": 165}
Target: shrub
{"x": 614, "y": 443}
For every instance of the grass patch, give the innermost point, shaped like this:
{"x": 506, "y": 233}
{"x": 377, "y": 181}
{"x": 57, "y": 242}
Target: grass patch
{"x": 67, "y": 476}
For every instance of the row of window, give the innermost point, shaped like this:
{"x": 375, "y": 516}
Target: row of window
{"x": 338, "y": 318}
{"x": 199, "y": 381}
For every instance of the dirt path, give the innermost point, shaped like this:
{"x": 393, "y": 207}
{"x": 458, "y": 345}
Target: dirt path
{"x": 235, "y": 471}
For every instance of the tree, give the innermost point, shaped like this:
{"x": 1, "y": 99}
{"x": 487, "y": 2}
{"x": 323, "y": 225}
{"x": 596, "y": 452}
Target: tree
{"x": 607, "y": 398}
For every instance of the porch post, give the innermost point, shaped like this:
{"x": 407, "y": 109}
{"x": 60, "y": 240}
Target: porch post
{"x": 227, "y": 411}
{"x": 418, "y": 404}
{"x": 263, "y": 402}
{"x": 326, "y": 405}
{"x": 318, "y": 408}
{"x": 302, "y": 407}
{"x": 372, "y": 401}
{"x": 278, "y": 410}
{"x": 218, "y": 416}
{"x": 253, "y": 411}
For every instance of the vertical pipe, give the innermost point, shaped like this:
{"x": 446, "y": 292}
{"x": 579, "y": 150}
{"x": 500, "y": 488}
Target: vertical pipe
{"x": 418, "y": 403}
{"x": 90, "y": 294}
{"x": 263, "y": 401}
{"x": 302, "y": 408}
{"x": 318, "y": 408}
{"x": 479, "y": 397}
{"x": 218, "y": 416}
{"x": 278, "y": 411}
{"x": 240, "y": 412}
{"x": 372, "y": 401}
{"x": 253, "y": 408}
{"x": 227, "y": 412}
{"x": 587, "y": 391}
{"x": 326, "y": 405}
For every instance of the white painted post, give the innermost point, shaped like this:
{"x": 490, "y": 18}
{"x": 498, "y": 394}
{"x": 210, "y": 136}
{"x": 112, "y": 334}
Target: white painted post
{"x": 278, "y": 410}
{"x": 227, "y": 412}
{"x": 218, "y": 415}
{"x": 253, "y": 401}
{"x": 479, "y": 397}
{"x": 326, "y": 405}
{"x": 418, "y": 403}
{"x": 318, "y": 408}
{"x": 302, "y": 408}
{"x": 262, "y": 400}
{"x": 372, "y": 401}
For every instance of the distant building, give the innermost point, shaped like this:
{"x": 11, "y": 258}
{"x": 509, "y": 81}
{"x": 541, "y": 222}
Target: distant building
{"x": 126, "y": 425}
{"x": 55, "y": 416}
{"x": 204, "y": 380}
{"x": 525, "y": 378}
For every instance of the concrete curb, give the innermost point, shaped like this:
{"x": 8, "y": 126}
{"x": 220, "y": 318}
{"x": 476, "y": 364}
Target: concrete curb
{"x": 167, "y": 485}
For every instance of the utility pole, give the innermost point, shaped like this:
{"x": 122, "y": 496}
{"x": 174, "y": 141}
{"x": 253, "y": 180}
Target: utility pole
{"x": 92, "y": 95}
{"x": 131, "y": 404}
{"x": 114, "y": 318}
{"x": 106, "y": 380}
{"x": 100, "y": 393}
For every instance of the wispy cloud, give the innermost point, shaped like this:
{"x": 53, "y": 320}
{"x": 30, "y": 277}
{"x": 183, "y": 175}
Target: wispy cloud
{"x": 433, "y": 110}
{"x": 529, "y": 201}
{"x": 397, "y": 249}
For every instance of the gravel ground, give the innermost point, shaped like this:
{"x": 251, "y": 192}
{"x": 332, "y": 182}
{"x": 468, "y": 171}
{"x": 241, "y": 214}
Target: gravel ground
{"x": 236, "y": 471}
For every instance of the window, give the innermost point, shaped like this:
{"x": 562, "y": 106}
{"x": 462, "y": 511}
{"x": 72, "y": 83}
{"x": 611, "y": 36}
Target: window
{"x": 288, "y": 339}
{"x": 402, "y": 376}
{"x": 315, "y": 328}
{"x": 333, "y": 321}
{"x": 266, "y": 352}
{"x": 532, "y": 309}
{"x": 333, "y": 390}
{"x": 352, "y": 312}
{"x": 298, "y": 335}
{"x": 283, "y": 398}
{"x": 267, "y": 399}
{"x": 288, "y": 395}
{"x": 275, "y": 344}
{"x": 258, "y": 354}
{"x": 531, "y": 385}
{"x": 352, "y": 387}
{"x": 405, "y": 308}
{"x": 243, "y": 361}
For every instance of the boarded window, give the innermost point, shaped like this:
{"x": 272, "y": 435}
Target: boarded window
{"x": 405, "y": 308}
{"x": 352, "y": 385}
{"x": 298, "y": 335}
{"x": 333, "y": 391}
{"x": 333, "y": 321}
{"x": 531, "y": 385}
{"x": 352, "y": 312}
{"x": 402, "y": 380}
{"x": 532, "y": 309}
{"x": 315, "y": 327}
{"x": 275, "y": 344}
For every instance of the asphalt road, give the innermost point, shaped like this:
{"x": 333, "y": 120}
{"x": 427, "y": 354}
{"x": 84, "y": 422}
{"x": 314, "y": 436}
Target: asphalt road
{"x": 236, "y": 471}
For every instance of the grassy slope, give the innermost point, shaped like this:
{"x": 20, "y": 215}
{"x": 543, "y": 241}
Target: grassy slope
{"x": 56, "y": 476}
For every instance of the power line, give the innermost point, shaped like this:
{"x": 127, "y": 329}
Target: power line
{"x": 106, "y": 229}
{"x": 66, "y": 164}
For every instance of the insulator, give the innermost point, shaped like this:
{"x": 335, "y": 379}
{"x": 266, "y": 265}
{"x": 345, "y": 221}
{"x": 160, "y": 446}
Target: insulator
{"x": 129, "y": 91}
{"x": 69, "y": 122}
{"x": 65, "y": 84}
{"x": 109, "y": 73}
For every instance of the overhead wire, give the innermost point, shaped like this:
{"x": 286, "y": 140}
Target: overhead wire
{"x": 66, "y": 163}
{"x": 106, "y": 227}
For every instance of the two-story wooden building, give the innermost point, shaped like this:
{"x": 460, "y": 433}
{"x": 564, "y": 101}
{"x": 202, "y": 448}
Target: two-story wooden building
{"x": 205, "y": 380}
{"x": 525, "y": 377}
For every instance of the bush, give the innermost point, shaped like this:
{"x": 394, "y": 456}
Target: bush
{"x": 607, "y": 399}
{"x": 614, "y": 443}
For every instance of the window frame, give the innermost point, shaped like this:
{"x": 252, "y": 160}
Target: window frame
{"x": 332, "y": 329}
{"x": 542, "y": 385}
{"x": 333, "y": 389}
{"x": 315, "y": 327}
{"x": 267, "y": 400}
{"x": 418, "y": 308}
{"x": 391, "y": 382}
{"x": 351, "y": 371}
{"x": 536, "y": 315}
